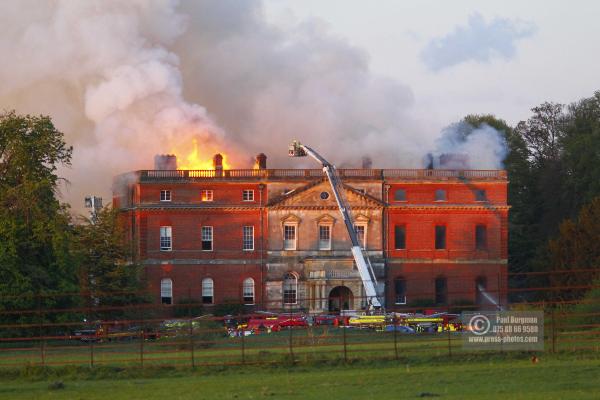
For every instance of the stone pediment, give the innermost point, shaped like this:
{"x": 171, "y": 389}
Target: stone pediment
{"x": 320, "y": 195}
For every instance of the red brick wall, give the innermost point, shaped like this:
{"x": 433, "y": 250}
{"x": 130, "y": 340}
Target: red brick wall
{"x": 457, "y": 192}
{"x": 186, "y": 233}
{"x": 420, "y": 280}
{"x": 460, "y": 233}
{"x": 187, "y": 281}
{"x": 223, "y": 193}
{"x": 229, "y": 265}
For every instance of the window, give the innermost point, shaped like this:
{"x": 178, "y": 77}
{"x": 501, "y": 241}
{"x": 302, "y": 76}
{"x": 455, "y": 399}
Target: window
{"x": 324, "y": 195}
{"x": 400, "y": 195}
{"x": 166, "y": 291}
{"x": 480, "y": 237}
{"x": 360, "y": 235}
{"x": 440, "y": 195}
{"x": 208, "y": 291}
{"x": 248, "y": 238}
{"x": 207, "y": 238}
{"x": 165, "y": 238}
{"x": 400, "y": 290}
{"x": 248, "y": 291}
{"x": 324, "y": 237}
{"x": 289, "y": 237}
{"x": 400, "y": 237}
{"x": 290, "y": 288}
{"x": 206, "y": 195}
{"x": 248, "y": 195}
{"x": 480, "y": 195}
{"x": 441, "y": 290}
{"x": 440, "y": 237}
{"x": 165, "y": 195}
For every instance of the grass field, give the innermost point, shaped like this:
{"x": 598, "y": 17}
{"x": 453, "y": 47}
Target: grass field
{"x": 320, "y": 364}
{"x": 499, "y": 376}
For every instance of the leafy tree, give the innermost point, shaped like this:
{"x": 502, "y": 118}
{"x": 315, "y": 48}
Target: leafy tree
{"x": 581, "y": 153}
{"x": 108, "y": 276}
{"x": 576, "y": 249}
{"x": 543, "y": 132}
{"x": 35, "y": 263}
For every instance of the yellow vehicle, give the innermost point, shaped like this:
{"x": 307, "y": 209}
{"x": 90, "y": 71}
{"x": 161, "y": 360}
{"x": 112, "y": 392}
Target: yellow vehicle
{"x": 367, "y": 321}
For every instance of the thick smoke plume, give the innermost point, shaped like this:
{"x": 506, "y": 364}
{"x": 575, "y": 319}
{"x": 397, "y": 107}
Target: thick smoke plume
{"x": 128, "y": 79}
{"x": 483, "y": 147}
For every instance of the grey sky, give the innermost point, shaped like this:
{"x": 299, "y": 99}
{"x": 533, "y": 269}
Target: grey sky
{"x": 559, "y": 62}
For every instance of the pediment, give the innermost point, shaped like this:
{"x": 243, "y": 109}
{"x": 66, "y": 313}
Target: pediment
{"x": 291, "y": 219}
{"x": 325, "y": 220}
{"x": 320, "y": 195}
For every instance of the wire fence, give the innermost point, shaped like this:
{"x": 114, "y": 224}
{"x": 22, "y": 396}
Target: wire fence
{"x": 92, "y": 330}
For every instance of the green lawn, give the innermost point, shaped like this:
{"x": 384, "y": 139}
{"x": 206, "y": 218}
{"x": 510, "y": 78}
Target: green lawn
{"x": 461, "y": 377}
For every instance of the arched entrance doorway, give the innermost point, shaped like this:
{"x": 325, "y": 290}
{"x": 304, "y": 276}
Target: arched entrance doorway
{"x": 340, "y": 298}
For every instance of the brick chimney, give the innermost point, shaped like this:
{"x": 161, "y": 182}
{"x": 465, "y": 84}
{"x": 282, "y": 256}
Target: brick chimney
{"x": 367, "y": 163}
{"x": 165, "y": 161}
{"x": 261, "y": 161}
{"x": 218, "y": 164}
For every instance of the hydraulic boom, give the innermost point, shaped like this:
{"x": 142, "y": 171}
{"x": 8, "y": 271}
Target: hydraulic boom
{"x": 362, "y": 261}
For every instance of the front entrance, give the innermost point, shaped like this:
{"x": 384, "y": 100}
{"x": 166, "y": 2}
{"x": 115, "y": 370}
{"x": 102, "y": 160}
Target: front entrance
{"x": 340, "y": 298}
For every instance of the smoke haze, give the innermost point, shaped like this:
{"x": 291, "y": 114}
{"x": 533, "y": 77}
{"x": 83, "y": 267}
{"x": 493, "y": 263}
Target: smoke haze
{"x": 128, "y": 80}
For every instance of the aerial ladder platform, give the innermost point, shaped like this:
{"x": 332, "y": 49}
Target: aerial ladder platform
{"x": 361, "y": 258}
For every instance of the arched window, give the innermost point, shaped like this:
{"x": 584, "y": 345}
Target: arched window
{"x": 290, "y": 288}
{"x": 248, "y": 291}
{"x": 208, "y": 291}
{"x": 166, "y": 291}
{"x": 441, "y": 290}
{"x": 400, "y": 290}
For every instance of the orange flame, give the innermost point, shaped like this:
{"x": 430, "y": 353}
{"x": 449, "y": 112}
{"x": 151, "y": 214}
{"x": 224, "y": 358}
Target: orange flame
{"x": 194, "y": 160}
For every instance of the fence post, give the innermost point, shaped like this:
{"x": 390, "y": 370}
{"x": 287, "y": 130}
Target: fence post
{"x": 191, "y": 331}
{"x": 142, "y": 348}
{"x": 345, "y": 344}
{"x": 243, "y": 339}
{"x": 291, "y": 336}
{"x": 395, "y": 336}
{"x": 92, "y": 352}
{"x": 143, "y": 320}
{"x": 553, "y": 322}
{"x": 41, "y": 333}
{"x": 448, "y": 330}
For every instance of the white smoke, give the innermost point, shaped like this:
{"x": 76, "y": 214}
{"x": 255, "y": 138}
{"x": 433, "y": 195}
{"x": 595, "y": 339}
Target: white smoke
{"x": 129, "y": 79}
{"x": 483, "y": 147}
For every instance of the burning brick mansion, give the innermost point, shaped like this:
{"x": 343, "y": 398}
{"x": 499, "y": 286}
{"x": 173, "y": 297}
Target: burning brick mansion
{"x": 274, "y": 238}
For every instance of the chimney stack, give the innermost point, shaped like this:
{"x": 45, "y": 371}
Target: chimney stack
{"x": 218, "y": 161}
{"x": 261, "y": 161}
{"x": 367, "y": 163}
{"x": 165, "y": 161}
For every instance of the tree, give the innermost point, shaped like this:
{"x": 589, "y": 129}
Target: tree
{"x": 576, "y": 249}
{"x": 36, "y": 268}
{"x": 543, "y": 132}
{"x": 581, "y": 153}
{"x": 108, "y": 276}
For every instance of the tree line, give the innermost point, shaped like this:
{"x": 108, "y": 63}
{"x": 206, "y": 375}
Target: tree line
{"x": 553, "y": 166}
{"x": 49, "y": 259}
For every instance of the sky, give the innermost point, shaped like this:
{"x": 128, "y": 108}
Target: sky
{"x": 554, "y": 50}
{"x": 381, "y": 79}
